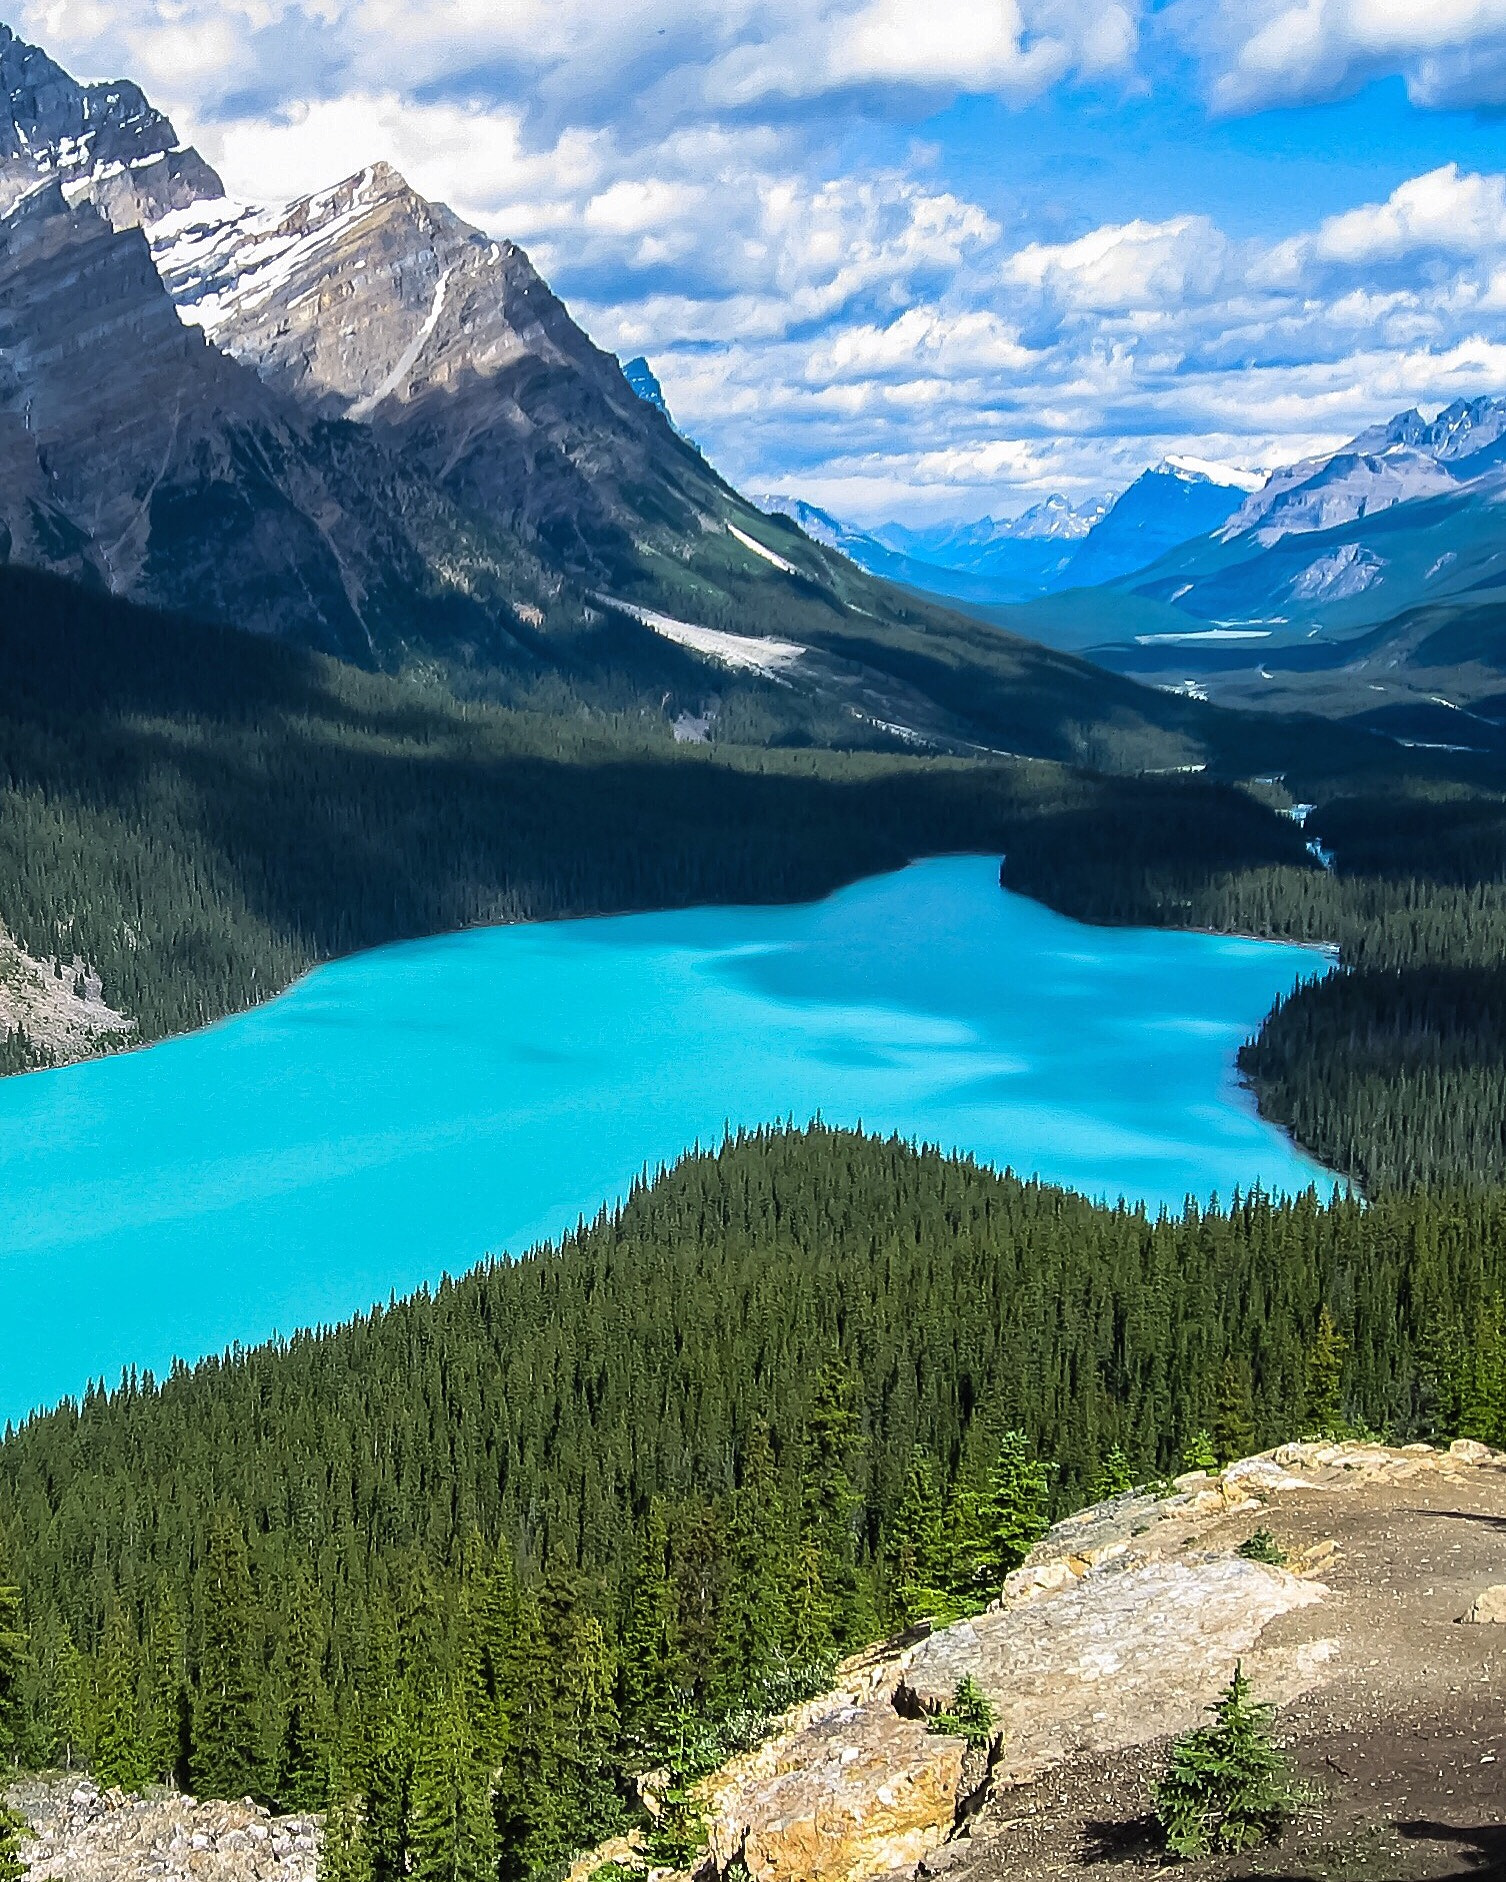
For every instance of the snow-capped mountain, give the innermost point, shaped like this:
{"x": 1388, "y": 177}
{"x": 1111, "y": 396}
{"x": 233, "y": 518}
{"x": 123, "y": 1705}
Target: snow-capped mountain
{"x": 870, "y": 551}
{"x": 352, "y": 418}
{"x": 1052, "y": 545}
{"x": 974, "y": 547}
{"x": 1406, "y": 458}
{"x": 447, "y": 341}
{"x": 1175, "y": 501}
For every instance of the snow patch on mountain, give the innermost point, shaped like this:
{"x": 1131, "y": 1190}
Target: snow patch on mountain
{"x": 751, "y": 652}
{"x": 758, "y": 549}
{"x": 222, "y": 259}
{"x": 408, "y": 358}
{"x": 1200, "y": 470}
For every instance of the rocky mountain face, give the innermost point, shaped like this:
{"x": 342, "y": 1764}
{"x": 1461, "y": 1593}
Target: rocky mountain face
{"x": 352, "y": 420}
{"x": 1406, "y": 458}
{"x": 141, "y": 457}
{"x": 366, "y": 302}
{"x": 101, "y": 142}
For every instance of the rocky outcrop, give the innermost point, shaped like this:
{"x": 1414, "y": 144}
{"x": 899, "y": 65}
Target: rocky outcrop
{"x": 1118, "y": 1631}
{"x": 59, "y": 1006}
{"x": 1488, "y": 1609}
{"x": 83, "y": 1834}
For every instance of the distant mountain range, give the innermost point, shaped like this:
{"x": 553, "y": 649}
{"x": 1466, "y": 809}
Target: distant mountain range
{"x": 1054, "y": 545}
{"x": 1370, "y": 582}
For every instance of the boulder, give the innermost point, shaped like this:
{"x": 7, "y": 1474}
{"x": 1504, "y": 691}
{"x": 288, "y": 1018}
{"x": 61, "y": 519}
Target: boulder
{"x": 864, "y": 1793}
{"x": 1489, "y": 1607}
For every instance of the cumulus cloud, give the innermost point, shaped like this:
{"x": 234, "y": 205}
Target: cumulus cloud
{"x": 676, "y": 59}
{"x": 1262, "y": 52}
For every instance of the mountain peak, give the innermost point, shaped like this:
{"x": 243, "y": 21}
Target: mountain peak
{"x": 103, "y": 141}
{"x": 644, "y": 381}
{"x": 1197, "y": 470}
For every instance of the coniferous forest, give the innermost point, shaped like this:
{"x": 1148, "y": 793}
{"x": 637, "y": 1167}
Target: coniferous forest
{"x": 466, "y": 1565}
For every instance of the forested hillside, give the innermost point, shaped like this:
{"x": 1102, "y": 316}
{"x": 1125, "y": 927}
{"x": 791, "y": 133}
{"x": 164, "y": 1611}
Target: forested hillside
{"x": 201, "y": 815}
{"x": 574, "y": 1515}
{"x": 1394, "y": 1069}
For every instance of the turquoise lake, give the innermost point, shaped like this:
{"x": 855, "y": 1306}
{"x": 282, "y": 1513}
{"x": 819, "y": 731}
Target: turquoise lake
{"x": 406, "y": 1111}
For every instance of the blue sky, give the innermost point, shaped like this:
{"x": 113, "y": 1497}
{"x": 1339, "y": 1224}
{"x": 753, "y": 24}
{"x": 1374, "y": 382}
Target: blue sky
{"x": 919, "y": 258}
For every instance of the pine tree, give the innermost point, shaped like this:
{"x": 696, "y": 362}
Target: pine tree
{"x": 649, "y": 1651}
{"x": 13, "y": 1667}
{"x": 165, "y": 1722}
{"x": 389, "y": 1788}
{"x": 226, "y": 1738}
{"x": 753, "y": 1622}
{"x": 120, "y": 1754}
{"x": 1323, "y": 1408}
{"x": 916, "y": 1546}
{"x": 1199, "y": 1452}
{"x": 1113, "y": 1477}
{"x": 1233, "y": 1428}
{"x": 529, "y": 1804}
{"x": 1016, "y": 1512}
{"x": 829, "y": 1498}
{"x": 14, "y": 1830}
{"x": 812, "y": 1649}
{"x": 307, "y": 1728}
{"x": 344, "y": 1854}
{"x": 1226, "y": 1787}
{"x": 453, "y": 1834}
{"x": 587, "y": 1731}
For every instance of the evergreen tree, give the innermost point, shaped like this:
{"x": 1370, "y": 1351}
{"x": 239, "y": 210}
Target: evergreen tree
{"x": 1112, "y": 1478}
{"x": 344, "y": 1855}
{"x": 754, "y": 1621}
{"x": 120, "y": 1753}
{"x": 916, "y": 1546}
{"x": 1226, "y": 1787}
{"x": 1323, "y": 1406}
{"x": 1016, "y": 1513}
{"x": 453, "y": 1835}
{"x": 586, "y": 1733}
{"x": 1233, "y": 1428}
{"x": 389, "y": 1787}
{"x": 166, "y": 1718}
{"x": 226, "y": 1736}
{"x": 14, "y": 1830}
{"x": 830, "y": 1501}
{"x": 812, "y": 1648}
{"x": 13, "y": 1670}
{"x": 649, "y": 1661}
{"x": 305, "y": 1745}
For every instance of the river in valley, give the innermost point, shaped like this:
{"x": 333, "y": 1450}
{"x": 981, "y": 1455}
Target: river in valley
{"x": 404, "y": 1112}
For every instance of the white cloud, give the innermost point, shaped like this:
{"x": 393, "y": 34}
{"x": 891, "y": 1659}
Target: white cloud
{"x": 1126, "y": 266}
{"x": 1261, "y": 52}
{"x": 1444, "y": 211}
{"x": 848, "y": 325}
